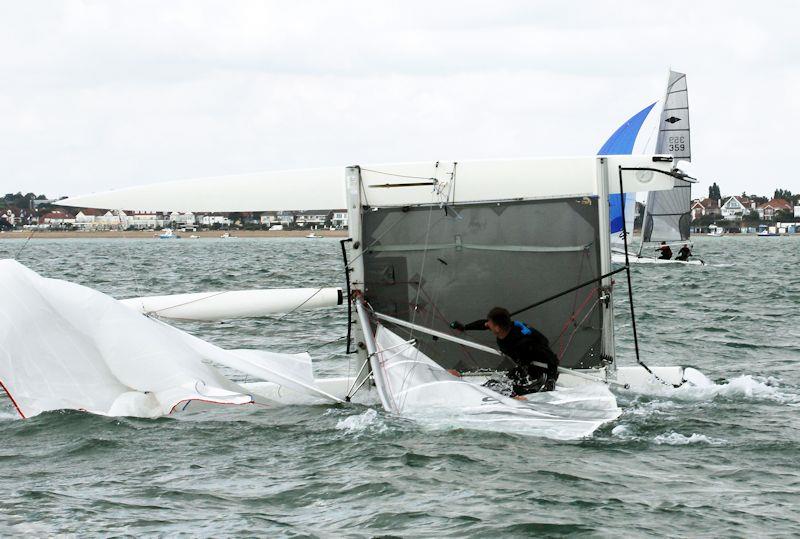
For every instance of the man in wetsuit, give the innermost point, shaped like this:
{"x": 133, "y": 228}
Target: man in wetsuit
{"x": 666, "y": 252}
{"x": 684, "y": 253}
{"x": 524, "y": 345}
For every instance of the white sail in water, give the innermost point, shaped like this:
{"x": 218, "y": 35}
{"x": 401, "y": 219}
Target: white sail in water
{"x": 416, "y": 385}
{"x": 66, "y": 346}
{"x": 667, "y": 213}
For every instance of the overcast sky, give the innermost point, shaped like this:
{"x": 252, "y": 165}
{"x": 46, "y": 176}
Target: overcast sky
{"x": 99, "y": 95}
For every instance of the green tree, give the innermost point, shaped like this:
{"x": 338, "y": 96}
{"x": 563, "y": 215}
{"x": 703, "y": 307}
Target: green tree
{"x": 713, "y": 192}
{"x": 751, "y": 218}
{"x": 784, "y": 194}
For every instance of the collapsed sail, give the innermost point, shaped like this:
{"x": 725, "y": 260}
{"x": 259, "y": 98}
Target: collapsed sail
{"x": 416, "y": 385}
{"x": 668, "y": 215}
{"x": 66, "y": 346}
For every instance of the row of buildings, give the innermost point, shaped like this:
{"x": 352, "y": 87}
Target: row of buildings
{"x": 736, "y": 208}
{"x": 91, "y": 219}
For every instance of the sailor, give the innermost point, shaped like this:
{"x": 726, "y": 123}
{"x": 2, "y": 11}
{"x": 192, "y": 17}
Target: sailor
{"x": 524, "y": 345}
{"x": 684, "y": 253}
{"x": 666, "y": 252}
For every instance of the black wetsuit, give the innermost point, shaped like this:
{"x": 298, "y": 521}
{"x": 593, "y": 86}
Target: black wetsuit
{"x": 666, "y": 253}
{"x": 524, "y": 345}
{"x": 684, "y": 254}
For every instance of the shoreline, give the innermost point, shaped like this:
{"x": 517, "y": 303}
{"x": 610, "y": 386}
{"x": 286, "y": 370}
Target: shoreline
{"x": 150, "y": 234}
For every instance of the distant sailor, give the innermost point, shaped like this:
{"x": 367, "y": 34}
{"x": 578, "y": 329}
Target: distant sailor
{"x": 684, "y": 253}
{"x": 524, "y": 345}
{"x": 666, "y": 252}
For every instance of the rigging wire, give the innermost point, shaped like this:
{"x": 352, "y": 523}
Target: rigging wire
{"x": 27, "y": 240}
{"x": 401, "y": 175}
{"x": 627, "y": 269}
{"x": 127, "y": 250}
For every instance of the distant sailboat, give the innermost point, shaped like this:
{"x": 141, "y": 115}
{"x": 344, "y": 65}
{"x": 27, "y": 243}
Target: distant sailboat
{"x": 660, "y": 128}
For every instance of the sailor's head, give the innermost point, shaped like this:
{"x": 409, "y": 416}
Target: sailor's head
{"x": 686, "y": 245}
{"x": 498, "y": 321}
{"x": 663, "y": 243}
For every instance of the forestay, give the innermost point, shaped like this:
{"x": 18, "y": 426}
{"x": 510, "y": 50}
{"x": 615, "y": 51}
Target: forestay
{"x": 418, "y": 387}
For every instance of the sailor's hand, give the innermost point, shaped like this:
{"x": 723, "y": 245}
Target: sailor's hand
{"x": 458, "y": 326}
{"x": 454, "y": 373}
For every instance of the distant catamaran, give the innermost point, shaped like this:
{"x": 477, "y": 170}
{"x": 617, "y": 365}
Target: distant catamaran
{"x": 667, "y": 213}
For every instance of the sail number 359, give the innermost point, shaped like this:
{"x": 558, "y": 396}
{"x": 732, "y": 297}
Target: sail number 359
{"x": 676, "y": 143}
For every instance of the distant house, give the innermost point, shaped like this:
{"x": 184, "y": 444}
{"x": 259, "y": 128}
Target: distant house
{"x": 287, "y": 218}
{"x": 57, "y": 219}
{"x": 210, "y": 220}
{"x": 182, "y": 219}
{"x": 736, "y": 207}
{"x": 111, "y": 219}
{"x": 10, "y": 216}
{"x": 86, "y": 218}
{"x": 312, "y": 218}
{"x": 339, "y": 219}
{"x": 141, "y": 220}
{"x": 768, "y": 210}
{"x": 270, "y": 218}
{"x": 797, "y": 211}
{"x": 706, "y": 206}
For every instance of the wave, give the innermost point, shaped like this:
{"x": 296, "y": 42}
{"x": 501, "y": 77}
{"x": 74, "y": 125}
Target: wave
{"x": 745, "y": 387}
{"x": 623, "y": 432}
{"x": 676, "y": 438}
{"x": 369, "y": 421}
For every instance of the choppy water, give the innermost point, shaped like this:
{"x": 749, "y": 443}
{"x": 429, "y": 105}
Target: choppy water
{"x": 714, "y": 462}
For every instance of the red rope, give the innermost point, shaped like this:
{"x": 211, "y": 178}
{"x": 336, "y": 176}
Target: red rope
{"x": 12, "y": 400}
{"x": 572, "y": 319}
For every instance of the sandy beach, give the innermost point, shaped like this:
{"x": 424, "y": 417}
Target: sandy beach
{"x": 146, "y": 234}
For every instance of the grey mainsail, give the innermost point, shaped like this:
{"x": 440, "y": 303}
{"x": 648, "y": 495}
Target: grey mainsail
{"x": 667, "y": 213}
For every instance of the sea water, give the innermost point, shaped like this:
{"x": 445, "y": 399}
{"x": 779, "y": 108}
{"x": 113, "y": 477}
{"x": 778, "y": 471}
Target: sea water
{"x": 720, "y": 460}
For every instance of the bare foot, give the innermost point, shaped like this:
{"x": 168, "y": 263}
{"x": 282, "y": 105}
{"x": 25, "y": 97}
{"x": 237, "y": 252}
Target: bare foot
{"x": 520, "y": 398}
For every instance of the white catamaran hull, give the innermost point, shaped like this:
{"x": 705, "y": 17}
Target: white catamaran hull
{"x": 636, "y": 378}
{"x": 617, "y": 258}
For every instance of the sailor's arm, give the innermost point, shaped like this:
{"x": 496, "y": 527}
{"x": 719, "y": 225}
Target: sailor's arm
{"x": 472, "y": 326}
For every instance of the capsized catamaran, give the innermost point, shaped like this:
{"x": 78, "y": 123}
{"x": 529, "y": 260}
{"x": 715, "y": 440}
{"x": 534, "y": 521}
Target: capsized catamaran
{"x": 661, "y": 128}
{"x": 430, "y": 243}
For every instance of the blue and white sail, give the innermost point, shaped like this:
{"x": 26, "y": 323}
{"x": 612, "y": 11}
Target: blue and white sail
{"x": 638, "y": 135}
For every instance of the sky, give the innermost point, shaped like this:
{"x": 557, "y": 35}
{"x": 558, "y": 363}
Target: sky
{"x": 100, "y": 95}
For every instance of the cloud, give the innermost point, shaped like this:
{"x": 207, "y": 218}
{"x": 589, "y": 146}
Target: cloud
{"x": 99, "y": 95}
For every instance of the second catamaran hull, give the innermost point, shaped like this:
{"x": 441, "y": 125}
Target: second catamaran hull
{"x": 617, "y": 258}
{"x": 635, "y": 377}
